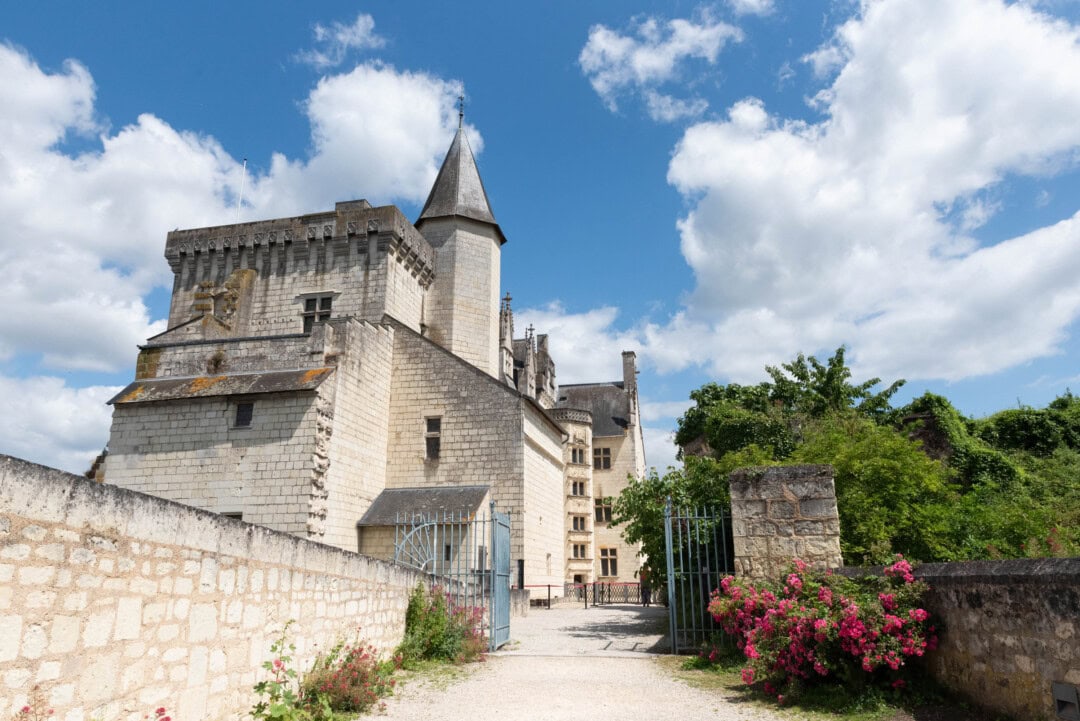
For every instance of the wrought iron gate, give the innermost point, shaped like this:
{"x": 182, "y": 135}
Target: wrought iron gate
{"x": 700, "y": 552}
{"x": 468, "y": 555}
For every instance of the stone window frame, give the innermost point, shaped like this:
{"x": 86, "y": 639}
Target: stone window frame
{"x": 601, "y": 459}
{"x": 242, "y": 409}
{"x": 577, "y": 455}
{"x": 432, "y": 438}
{"x": 578, "y": 489}
{"x": 602, "y": 509}
{"x": 322, "y": 302}
{"x": 609, "y": 561}
{"x": 579, "y": 551}
{"x": 579, "y": 522}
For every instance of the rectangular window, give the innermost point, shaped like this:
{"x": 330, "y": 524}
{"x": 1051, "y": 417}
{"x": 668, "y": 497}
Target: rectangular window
{"x": 432, "y": 438}
{"x": 609, "y": 563}
{"x": 601, "y": 459}
{"x": 603, "y": 510}
{"x": 577, "y": 488}
{"x": 577, "y": 455}
{"x": 447, "y": 549}
{"x": 579, "y": 550}
{"x": 578, "y": 523}
{"x": 238, "y": 515}
{"x": 244, "y": 414}
{"x": 316, "y": 310}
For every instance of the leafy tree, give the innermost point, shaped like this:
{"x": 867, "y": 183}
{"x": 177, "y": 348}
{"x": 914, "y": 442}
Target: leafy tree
{"x": 892, "y": 497}
{"x": 815, "y": 389}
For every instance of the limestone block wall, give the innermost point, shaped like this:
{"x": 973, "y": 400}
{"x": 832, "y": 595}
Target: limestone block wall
{"x": 462, "y": 310}
{"x": 117, "y": 603}
{"x": 1012, "y": 628}
{"x": 357, "y": 447}
{"x": 578, "y": 425}
{"x": 228, "y": 356}
{"x": 188, "y": 451}
{"x": 626, "y": 460}
{"x": 783, "y": 512}
{"x": 544, "y": 514}
{"x": 481, "y": 434}
{"x": 259, "y": 272}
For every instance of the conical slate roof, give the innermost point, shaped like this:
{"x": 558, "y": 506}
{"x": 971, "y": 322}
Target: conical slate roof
{"x": 458, "y": 189}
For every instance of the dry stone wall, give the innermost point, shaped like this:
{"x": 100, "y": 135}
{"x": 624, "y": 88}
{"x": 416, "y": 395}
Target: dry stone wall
{"x": 1012, "y": 629}
{"x": 117, "y": 602}
{"x": 783, "y": 512}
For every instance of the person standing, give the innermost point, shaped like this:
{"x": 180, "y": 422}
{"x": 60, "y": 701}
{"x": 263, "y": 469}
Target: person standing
{"x": 646, "y": 587}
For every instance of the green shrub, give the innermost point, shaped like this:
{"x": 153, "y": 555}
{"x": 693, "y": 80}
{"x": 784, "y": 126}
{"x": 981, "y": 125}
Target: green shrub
{"x": 350, "y": 677}
{"x": 436, "y": 628}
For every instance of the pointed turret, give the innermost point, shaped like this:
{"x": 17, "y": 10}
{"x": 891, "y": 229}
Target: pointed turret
{"x": 462, "y": 308}
{"x": 458, "y": 189}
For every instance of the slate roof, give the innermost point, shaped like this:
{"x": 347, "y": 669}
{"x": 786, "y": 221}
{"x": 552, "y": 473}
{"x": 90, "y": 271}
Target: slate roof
{"x": 458, "y": 189}
{"x": 227, "y": 384}
{"x": 608, "y": 403}
{"x": 395, "y": 503}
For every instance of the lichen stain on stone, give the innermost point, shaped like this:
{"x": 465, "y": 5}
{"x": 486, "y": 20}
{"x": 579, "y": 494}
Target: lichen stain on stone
{"x": 312, "y": 375}
{"x": 201, "y": 384}
{"x": 132, "y": 394}
{"x": 146, "y": 366}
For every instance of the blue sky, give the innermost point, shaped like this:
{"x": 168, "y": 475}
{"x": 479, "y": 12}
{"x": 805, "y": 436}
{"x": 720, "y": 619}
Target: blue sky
{"x": 718, "y": 186}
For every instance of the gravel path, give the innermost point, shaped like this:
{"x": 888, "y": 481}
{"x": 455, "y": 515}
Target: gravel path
{"x": 571, "y": 664}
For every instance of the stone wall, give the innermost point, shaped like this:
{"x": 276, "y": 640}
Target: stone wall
{"x": 1012, "y": 628}
{"x": 783, "y": 512}
{"x": 117, "y": 602}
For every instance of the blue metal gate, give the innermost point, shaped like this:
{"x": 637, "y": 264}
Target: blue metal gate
{"x": 468, "y": 556}
{"x": 500, "y": 579}
{"x": 700, "y": 552}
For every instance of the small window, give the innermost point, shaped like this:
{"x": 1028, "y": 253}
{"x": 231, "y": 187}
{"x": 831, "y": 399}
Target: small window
{"x": 244, "y": 414}
{"x": 317, "y": 310}
{"x": 601, "y": 459}
{"x": 577, "y": 488}
{"x": 609, "y": 563}
{"x": 603, "y": 510}
{"x": 577, "y": 455}
{"x": 432, "y": 438}
{"x": 238, "y": 515}
{"x": 578, "y": 523}
{"x": 447, "y": 552}
{"x": 578, "y": 550}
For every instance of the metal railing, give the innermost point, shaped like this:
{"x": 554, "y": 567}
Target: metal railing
{"x": 700, "y": 553}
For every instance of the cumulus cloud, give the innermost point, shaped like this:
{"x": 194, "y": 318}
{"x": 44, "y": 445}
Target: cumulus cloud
{"x": 660, "y": 448}
{"x": 860, "y": 229}
{"x": 337, "y": 39}
{"x": 44, "y": 420}
{"x": 804, "y": 236}
{"x": 751, "y": 7}
{"x": 586, "y": 346}
{"x": 84, "y": 232}
{"x": 651, "y": 54}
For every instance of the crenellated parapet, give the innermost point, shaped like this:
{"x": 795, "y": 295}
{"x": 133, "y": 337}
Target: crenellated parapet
{"x": 353, "y": 233}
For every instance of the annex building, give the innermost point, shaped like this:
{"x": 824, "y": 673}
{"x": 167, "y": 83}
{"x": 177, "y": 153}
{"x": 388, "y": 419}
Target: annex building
{"x": 319, "y": 371}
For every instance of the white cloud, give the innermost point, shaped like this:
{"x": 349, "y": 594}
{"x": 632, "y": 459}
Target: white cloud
{"x": 46, "y": 421}
{"x": 751, "y": 7}
{"x": 660, "y": 410}
{"x": 84, "y": 232}
{"x": 660, "y": 448}
{"x": 805, "y": 236}
{"x": 653, "y": 53}
{"x": 337, "y": 39}
{"x": 585, "y": 346}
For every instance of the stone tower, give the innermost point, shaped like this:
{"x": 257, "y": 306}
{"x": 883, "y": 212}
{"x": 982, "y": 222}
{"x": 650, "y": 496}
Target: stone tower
{"x": 462, "y": 307}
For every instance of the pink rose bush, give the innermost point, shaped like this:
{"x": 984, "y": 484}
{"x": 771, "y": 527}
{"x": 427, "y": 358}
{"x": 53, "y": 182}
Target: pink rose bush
{"x": 819, "y": 627}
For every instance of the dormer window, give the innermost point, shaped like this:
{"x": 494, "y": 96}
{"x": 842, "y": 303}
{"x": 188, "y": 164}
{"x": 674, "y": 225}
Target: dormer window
{"x": 316, "y": 310}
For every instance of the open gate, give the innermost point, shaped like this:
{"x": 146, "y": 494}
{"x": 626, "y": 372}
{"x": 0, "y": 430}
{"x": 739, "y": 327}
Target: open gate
{"x": 700, "y": 552}
{"x": 466, "y": 554}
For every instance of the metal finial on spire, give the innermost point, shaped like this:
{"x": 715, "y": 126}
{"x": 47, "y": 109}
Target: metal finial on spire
{"x": 460, "y": 110}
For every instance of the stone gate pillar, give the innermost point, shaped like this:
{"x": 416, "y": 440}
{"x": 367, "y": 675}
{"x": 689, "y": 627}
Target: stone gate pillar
{"x": 779, "y": 513}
